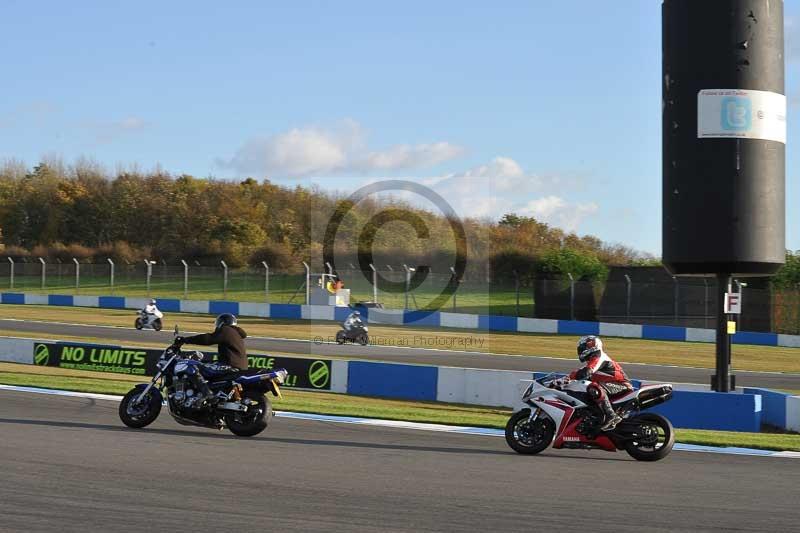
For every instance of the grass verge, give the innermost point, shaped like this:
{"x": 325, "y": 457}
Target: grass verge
{"x": 339, "y": 404}
{"x": 693, "y": 354}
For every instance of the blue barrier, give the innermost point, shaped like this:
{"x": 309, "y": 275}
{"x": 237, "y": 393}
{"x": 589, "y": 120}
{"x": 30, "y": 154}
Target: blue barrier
{"x": 287, "y": 311}
{"x": 759, "y": 339}
{"x": 713, "y": 410}
{"x": 423, "y": 318}
{"x": 408, "y": 382}
{"x": 664, "y": 333}
{"x": 773, "y": 406}
{"x": 217, "y": 308}
{"x": 577, "y": 327}
{"x": 170, "y": 305}
{"x": 497, "y": 323}
{"x": 12, "y": 298}
{"x": 420, "y": 318}
{"x": 60, "y": 299}
{"x": 111, "y": 302}
{"x": 341, "y": 313}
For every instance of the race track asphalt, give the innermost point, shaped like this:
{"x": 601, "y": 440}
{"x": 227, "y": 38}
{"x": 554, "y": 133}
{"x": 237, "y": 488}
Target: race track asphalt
{"x": 68, "y": 464}
{"x": 670, "y": 374}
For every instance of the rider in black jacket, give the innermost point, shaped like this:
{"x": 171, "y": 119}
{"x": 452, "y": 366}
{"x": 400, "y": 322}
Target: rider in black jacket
{"x": 229, "y": 338}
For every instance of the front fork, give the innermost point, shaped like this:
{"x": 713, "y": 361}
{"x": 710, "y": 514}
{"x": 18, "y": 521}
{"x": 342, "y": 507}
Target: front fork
{"x": 534, "y": 414}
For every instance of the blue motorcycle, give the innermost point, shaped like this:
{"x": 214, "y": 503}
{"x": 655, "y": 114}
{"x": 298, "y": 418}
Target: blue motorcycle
{"x": 239, "y": 400}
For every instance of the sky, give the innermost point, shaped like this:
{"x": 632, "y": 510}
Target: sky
{"x": 550, "y": 109}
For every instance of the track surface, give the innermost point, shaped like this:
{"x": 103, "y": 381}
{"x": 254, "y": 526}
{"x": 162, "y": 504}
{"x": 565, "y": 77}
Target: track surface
{"x": 672, "y": 374}
{"x": 68, "y": 464}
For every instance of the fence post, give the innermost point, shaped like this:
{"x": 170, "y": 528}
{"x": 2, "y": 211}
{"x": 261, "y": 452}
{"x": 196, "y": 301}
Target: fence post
{"x": 390, "y": 268}
{"x": 11, "y": 273}
{"x": 516, "y": 288}
{"x": 185, "y": 279}
{"x": 675, "y": 297}
{"x": 329, "y": 268}
{"x": 571, "y": 296}
{"x": 44, "y": 273}
{"x": 149, "y": 272}
{"x": 308, "y": 281}
{"x": 408, "y": 283}
{"x": 628, "y": 297}
{"x": 111, "y": 276}
{"x": 266, "y": 282}
{"x": 455, "y": 290}
{"x": 705, "y": 302}
{"x": 374, "y": 283}
{"x": 224, "y": 279}
{"x": 77, "y": 275}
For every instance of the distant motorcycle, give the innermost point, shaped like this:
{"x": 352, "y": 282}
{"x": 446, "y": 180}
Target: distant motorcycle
{"x": 566, "y": 417}
{"x": 359, "y": 333}
{"x": 148, "y": 321}
{"x": 239, "y": 403}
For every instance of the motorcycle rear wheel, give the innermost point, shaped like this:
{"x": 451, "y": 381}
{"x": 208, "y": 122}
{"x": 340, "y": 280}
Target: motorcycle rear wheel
{"x": 139, "y": 416}
{"x": 254, "y": 421}
{"x": 658, "y": 438}
{"x": 138, "y": 324}
{"x": 340, "y": 337}
{"x": 526, "y": 437}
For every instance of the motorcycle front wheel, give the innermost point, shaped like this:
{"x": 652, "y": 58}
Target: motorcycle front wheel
{"x": 157, "y": 325}
{"x": 528, "y": 437}
{"x": 142, "y": 414}
{"x": 655, "y": 438}
{"x": 254, "y": 421}
{"x": 362, "y": 339}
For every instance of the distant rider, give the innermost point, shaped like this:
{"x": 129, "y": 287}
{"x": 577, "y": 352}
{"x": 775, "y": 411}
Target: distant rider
{"x": 151, "y": 310}
{"x": 606, "y": 376}
{"x": 353, "y": 320}
{"x": 232, "y": 354}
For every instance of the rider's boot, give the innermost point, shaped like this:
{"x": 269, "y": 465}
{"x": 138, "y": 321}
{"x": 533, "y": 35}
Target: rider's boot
{"x": 611, "y": 417}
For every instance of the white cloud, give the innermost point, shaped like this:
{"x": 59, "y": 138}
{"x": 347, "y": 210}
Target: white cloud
{"x": 109, "y": 131}
{"x": 314, "y": 150}
{"x": 558, "y": 212}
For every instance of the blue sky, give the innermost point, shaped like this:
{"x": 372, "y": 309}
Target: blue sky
{"x": 545, "y": 108}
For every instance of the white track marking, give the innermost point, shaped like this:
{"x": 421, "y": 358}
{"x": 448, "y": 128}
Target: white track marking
{"x": 418, "y": 426}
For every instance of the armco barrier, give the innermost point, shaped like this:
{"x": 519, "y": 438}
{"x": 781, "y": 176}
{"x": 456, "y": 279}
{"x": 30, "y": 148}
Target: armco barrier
{"x": 687, "y": 409}
{"x": 410, "y": 318}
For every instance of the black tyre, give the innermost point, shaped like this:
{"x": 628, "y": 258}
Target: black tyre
{"x": 157, "y": 325}
{"x": 363, "y": 339}
{"x": 138, "y": 324}
{"x": 656, "y": 438}
{"x": 340, "y": 337}
{"x": 254, "y": 421}
{"x": 143, "y": 414}
{"x": 529, "y": 437}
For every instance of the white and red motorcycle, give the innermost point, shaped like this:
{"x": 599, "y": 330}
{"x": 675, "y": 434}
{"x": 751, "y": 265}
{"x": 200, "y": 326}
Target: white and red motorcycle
{"x": 562, "y": 414}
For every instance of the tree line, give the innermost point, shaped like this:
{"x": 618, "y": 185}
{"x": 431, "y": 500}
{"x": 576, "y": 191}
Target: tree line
{"x": 61, "y": 211}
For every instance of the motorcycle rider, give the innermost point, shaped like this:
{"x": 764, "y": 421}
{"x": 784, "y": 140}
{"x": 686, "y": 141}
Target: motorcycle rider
{"x": 353, "y": 320}
{"x": 151, "y": 310}
{"x": 232, "y": 354}
{"x": 606, "y": 376}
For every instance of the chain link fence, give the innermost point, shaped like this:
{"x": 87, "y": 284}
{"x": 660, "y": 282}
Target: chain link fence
{"x": 688, "y": 302}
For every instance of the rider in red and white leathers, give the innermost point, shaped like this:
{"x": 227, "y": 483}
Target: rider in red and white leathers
{"x": 606, "y": 376}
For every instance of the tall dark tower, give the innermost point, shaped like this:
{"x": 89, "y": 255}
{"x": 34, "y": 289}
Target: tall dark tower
{"x": 724, "y": 142}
